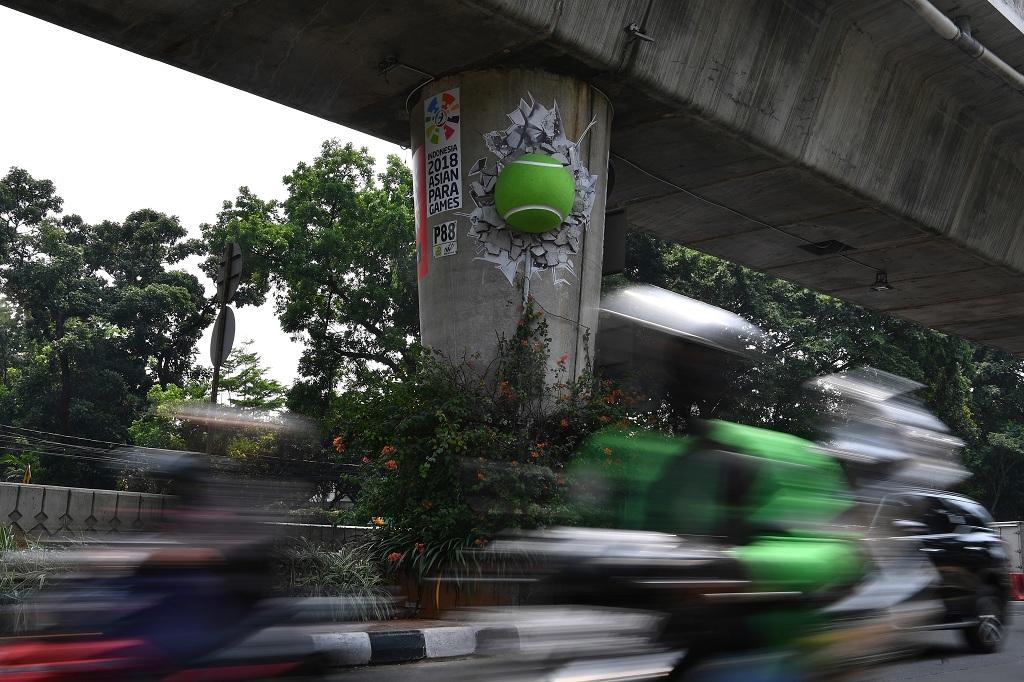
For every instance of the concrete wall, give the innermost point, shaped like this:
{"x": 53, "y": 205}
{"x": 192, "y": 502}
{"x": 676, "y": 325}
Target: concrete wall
{"x": 48, "y": 511}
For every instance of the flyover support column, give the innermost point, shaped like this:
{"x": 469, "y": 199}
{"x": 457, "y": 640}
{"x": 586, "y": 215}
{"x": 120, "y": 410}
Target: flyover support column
{"x": 479, "y": 259}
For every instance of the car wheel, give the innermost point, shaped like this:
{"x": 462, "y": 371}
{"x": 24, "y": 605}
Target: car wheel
{"x": 986, "y": 636}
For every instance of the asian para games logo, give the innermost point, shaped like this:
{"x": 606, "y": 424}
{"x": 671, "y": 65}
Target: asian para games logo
{"x": 441, "y": 117}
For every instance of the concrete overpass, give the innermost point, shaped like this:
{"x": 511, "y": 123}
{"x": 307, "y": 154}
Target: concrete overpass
{"x": 822, "y": 141}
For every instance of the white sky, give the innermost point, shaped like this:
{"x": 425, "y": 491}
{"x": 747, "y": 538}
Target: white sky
{"x": 117, "y": 132}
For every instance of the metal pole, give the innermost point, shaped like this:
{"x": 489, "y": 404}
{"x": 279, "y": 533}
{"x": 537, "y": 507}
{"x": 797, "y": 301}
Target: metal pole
{"x": 222, "y": 300}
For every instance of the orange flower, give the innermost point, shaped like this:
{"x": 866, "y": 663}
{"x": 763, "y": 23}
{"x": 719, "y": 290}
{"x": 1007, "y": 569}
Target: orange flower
{"x": 391, "y": 464}
{"x": 563, "y": 359}
{"x": 478, "y": 542}
{"x": 420, "y": 547}
{"x": 426, "y": 504}
{"x": 377, "y": 521}
{"x": 480, "y": 476}
{"x": 564, "y": 423}
{"x": 395, "y": 556}
{"x": 526, "y": 344}
{"x": 387, "y": 450}
{"x": 339, "y": 444}
{"x": 607, "y": 452}
{"x": 540, "y": 445}
{"x": 534, "y": 454}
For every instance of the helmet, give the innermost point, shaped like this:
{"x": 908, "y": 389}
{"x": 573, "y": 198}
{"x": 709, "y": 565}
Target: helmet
{"x": 883, "y": 432}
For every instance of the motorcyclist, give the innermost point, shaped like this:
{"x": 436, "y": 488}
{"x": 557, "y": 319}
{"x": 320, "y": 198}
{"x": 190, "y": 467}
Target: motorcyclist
{"x": 787, "y": 509}
{"x": 199, "y": 589}
{"x": 205, "y": 583}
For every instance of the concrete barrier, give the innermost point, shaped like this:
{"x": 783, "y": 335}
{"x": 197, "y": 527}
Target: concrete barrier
{"x": 50, "y": 512}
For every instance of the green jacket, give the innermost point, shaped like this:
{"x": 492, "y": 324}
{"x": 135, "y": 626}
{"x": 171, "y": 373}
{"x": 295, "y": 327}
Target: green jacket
{"x": 772, "y": 495}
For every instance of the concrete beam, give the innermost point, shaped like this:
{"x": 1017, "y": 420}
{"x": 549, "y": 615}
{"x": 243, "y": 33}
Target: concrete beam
{"x": 755, "y": 126}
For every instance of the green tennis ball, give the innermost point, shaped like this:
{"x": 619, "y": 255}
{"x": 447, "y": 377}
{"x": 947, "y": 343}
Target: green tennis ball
{"x": 534, "y": 193}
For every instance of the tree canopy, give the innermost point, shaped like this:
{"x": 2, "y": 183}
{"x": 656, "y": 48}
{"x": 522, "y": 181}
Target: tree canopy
{"x": 338, "y": 256}
{"x": 99, "y": 325}
{"x": 976, "y": 390}
{"x": 92, "y": 317}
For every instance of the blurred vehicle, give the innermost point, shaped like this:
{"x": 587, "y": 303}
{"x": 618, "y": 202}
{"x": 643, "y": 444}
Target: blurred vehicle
{"x": 1012, "y": 533}
{"x": 756, "y": 548}
{"x": 192, "y": 603}
{"x": 954, "y": 532}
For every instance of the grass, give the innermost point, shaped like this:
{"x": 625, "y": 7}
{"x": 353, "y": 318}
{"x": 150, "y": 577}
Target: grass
{"x": 24, "y": 571}
{"x": 309, "y": 570}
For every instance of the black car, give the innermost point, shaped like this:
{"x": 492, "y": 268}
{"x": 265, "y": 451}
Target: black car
{"x": 971, "y": 560}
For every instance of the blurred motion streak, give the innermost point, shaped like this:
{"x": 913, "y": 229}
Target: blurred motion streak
{"x": 191, "y": 602}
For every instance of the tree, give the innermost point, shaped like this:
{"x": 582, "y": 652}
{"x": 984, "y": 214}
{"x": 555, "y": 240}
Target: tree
{"x": 996, "y": 454}
{"x": 338, "y": 255}
{"x": 245, "y": 382}
{"x": 807, "y": 334}
{"x": 163, "y": 312}
{"x": 978, "y": 392}
{"x": 93, "y": 317}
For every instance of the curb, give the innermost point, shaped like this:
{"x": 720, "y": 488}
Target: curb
{"x": 406, "y": 646}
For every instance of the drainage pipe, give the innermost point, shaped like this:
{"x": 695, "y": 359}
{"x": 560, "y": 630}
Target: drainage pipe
{"x": 946, "y": 28}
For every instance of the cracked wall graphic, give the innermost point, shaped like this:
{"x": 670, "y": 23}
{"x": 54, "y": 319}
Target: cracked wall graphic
{"x": 534, "y": 128}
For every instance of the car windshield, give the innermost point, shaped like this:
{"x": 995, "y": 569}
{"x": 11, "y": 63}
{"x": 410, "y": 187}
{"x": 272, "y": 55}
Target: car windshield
{"x": 978, "y": 514}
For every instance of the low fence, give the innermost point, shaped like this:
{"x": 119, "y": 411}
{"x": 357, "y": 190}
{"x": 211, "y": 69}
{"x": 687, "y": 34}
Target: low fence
{"x": 52, "y": 513}
{"x": 48, "y": 511}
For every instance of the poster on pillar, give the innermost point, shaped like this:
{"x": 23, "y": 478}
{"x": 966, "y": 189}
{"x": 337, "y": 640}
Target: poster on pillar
{"x": 536, "y": 146}
{"x": 442, "y": 119}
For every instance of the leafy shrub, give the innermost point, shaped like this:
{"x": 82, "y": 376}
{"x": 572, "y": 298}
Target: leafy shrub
{"x": 310, "y": 570}
{"x": 454, "y": 453}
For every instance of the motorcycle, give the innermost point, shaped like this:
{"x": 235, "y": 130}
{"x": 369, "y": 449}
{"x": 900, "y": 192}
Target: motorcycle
{"x": 168, "y": 622}
{"x": 608, "y": 601}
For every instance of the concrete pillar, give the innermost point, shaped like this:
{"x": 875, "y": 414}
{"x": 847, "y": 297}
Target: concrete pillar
{"x": 474, "y": 271}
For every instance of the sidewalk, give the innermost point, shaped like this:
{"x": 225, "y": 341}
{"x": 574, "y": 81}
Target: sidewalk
{"x": 404, "y": 641}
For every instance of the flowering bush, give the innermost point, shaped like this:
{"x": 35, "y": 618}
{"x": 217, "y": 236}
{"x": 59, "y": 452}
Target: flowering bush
{"x": 451, "y": 455}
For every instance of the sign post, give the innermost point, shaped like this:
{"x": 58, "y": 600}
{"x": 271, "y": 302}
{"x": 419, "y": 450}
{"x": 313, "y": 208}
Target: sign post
{"x": 228, "y": 276}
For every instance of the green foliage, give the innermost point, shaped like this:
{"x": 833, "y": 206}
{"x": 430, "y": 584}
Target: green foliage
{"x": 91, "y": 318}
{"x": 977, "y": 391}
{"x": 245, "y": 383}
{"x": 310, "y": 570}
{"x": 15, "y": 467}
{"x": 159, "y": 427}
{"x": 451, "y": 454}
{"x": 339, "y": 257}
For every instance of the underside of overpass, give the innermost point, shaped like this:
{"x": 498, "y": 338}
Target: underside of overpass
{"x": 821, "y": 141}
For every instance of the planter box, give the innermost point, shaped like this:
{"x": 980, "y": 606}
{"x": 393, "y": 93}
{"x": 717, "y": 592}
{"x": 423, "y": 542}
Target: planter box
{"x": 433, "y": 595}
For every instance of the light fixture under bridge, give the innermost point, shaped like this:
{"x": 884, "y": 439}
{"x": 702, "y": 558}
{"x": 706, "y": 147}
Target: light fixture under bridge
{"x": 881, "y": 282}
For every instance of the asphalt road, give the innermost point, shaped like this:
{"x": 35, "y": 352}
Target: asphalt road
{"x": 942, "y": 658}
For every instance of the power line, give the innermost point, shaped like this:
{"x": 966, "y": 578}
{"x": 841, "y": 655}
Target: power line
{"x": 106, "y": 454}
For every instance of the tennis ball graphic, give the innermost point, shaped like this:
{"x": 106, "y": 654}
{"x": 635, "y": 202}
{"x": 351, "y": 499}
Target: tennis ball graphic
{"x": 534, "y": 193}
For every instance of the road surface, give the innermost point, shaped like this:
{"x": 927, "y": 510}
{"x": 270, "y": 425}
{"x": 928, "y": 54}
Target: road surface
{"x": 943, "y": 659}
